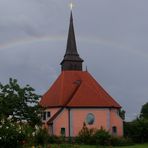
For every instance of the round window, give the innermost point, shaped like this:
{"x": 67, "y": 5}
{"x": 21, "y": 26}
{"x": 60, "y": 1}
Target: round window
{"x": 90, "y": 118}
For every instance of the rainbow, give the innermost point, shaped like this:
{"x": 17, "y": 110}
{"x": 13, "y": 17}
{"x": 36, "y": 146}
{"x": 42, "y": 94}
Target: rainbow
{"x": 61, "y": 38}
{"x": 30, "y": 40}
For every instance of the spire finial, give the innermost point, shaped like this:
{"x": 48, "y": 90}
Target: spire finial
{"x": 71, "y": 5}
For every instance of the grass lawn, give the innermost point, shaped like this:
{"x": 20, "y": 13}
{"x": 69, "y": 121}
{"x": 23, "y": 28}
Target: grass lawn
{"x": 135, "y": 146}
{"x": 88, "y": 146}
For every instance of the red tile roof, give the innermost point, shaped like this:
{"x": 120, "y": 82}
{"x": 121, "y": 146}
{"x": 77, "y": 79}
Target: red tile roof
{"x": 77, "y": 89}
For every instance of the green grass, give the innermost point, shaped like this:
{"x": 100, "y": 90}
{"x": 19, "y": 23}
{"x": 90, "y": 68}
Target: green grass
{"x": 90, "y": 146}
{"x": 135, "y": 146}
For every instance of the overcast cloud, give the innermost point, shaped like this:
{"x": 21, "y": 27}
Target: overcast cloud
{"x": 112, "y": 38}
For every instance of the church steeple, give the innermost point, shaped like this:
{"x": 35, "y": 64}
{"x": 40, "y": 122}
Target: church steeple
{"x": 71, "y": 60}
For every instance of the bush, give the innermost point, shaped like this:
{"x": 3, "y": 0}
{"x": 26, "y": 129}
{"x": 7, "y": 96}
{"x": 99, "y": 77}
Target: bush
{"x": 41, "y": 137}
{"x": 53, "y": 139}
{"x": 137, "y": 130}
{"x": 102, "y": 137}
{"x": 85, "y": 135}
{"x": 121, "y": 141}
{"x": 11, "y": 135}
{"x": 92, "y": 136}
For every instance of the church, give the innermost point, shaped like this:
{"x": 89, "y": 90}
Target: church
{"x": 76, "y": 98}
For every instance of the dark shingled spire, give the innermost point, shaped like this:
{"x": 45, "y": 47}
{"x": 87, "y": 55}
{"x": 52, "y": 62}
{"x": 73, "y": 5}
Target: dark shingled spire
{"x": 71, "y": 60}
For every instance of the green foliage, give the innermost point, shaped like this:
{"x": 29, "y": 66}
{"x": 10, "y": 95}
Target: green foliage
{"x": 41, "y": 137}
{"x": 85, "y": 135}
{"x": 102, "y": 137}
{"x": 19, "y": 114}
{"x": 144, "y": 111}
{"x": 67, "y": 146}
{"x": 54, "y": 139}
{"x": 94, "y": 146}
{"x": 137, "y": 130}
{"x": 92, "y": 136}
{"x": 120, "y": 141}
{"x": 11, "y": 135}
{"x": 19, "y": 103}
{"x": 122, "y": 114}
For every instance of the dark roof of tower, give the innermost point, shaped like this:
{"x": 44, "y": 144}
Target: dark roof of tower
{"x": 71, "y": 50}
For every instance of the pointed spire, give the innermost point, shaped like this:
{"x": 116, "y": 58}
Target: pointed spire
{"x": 71, "y": 42}
{"x": 71, "y": 60}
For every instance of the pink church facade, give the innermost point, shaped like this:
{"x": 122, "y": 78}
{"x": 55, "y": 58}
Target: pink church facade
{"x": 76, "y": 98}
{"x": 72, "y": 121}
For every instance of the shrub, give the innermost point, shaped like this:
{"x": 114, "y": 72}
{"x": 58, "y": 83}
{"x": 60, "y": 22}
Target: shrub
{"x": 137, "y": 130}
{"x": 41, "y": 137}
{"x": 92, "y": 136}
{"x": 101, "y": 137}
{"x": 11, "y": 135}
{"x": 53, "y": 139}
{"x": 69, "y": 146}
{"x": 121, "y": 141}
{"x": 85, "y": 135}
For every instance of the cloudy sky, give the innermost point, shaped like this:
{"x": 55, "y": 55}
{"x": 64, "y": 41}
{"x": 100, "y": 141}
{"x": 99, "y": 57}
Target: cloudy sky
{"x": 112, "y": 38}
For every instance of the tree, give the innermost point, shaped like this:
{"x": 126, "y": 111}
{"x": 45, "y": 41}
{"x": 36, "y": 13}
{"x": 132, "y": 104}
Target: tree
{"x": 144, "y": 111}
{"x": 19, "y": 114}
{"x": 19, "y": 104}
{"x": 137, "y": 130}
{"x": 122, "y": 114}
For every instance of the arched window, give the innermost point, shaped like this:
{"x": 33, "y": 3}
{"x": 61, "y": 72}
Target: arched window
{"x": 90, "y": 118}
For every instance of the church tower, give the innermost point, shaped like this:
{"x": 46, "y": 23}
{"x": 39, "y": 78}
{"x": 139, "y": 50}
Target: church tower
{"x": 72, "y": 60}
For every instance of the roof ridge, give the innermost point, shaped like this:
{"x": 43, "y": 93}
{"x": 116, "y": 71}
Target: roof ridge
{"x": 78, "y": 82}
{"x": 84, "y": 83}
{"x": 62, "y": 80}
{"x": 55, "y": 115}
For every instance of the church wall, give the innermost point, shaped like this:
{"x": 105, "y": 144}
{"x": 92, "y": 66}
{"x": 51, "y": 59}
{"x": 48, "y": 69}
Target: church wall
{"x": 106, "y": 118}
{"x": 52, "y": 112}
{"x": 117, "y": 122}
{"x": 61, "y": 122}
{"x": 79, "y": 117}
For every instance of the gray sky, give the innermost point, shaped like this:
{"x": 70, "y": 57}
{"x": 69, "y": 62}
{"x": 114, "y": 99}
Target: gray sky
{"x": 111, "y": 38}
